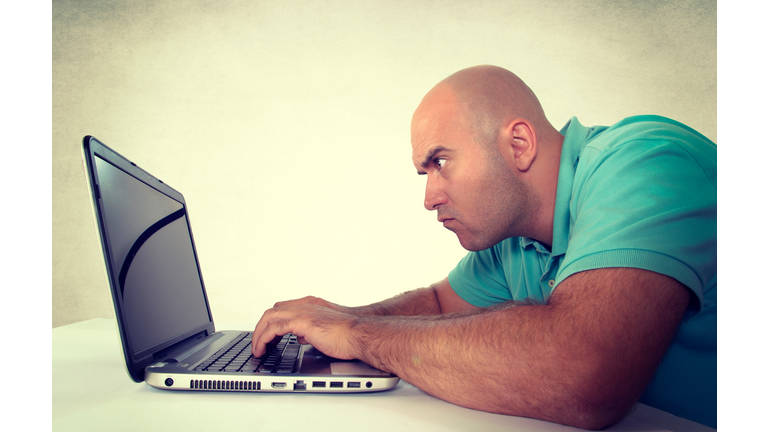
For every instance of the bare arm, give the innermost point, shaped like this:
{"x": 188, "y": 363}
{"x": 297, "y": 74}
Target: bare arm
{"x": 582, "y": 359}
{"x": 438, "y": 298}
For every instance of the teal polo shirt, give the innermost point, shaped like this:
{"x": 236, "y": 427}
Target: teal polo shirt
{"x": 642, "y": 194}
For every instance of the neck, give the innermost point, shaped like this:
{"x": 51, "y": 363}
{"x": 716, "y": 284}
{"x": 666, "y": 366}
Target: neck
{"x": 545, "y": 183}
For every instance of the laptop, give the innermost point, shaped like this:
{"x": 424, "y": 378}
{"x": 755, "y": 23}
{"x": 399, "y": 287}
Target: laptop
{"x": 163, "y": 315}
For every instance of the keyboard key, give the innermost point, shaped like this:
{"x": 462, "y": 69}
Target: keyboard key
{"x": 236, "y": 356}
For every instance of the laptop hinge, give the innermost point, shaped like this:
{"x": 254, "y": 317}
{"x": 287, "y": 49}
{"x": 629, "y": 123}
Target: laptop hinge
{"x": 181, "y": 350}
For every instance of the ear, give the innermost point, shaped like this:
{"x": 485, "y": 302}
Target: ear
{"x": 518, "y": 143}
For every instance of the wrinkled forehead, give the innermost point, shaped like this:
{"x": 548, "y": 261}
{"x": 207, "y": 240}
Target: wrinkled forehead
{"x": 430, "y": 127}
{"x": 437, "y": 124}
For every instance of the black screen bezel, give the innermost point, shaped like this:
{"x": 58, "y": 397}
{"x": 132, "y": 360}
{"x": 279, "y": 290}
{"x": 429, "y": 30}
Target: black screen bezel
{"x": 135, "y": 361}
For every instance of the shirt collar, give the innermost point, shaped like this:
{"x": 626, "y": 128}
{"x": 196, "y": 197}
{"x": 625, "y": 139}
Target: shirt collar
{"x": 576, "y": 136}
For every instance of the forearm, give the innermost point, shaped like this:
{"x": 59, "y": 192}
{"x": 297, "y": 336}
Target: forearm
{"x": 492, "y": 361}
{"x": 583, "y": 359}
{"x": 422, "y": 301}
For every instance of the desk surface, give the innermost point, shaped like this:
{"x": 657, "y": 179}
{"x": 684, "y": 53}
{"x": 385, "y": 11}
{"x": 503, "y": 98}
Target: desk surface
{"x": 92, "y": 391}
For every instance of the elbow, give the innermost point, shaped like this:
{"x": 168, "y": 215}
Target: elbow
{"x": 594, "y": 398}
{"x": 602, "y": 390}
{"x": 596, "y": 418}
{"x": 580, "y": 412}
{"x": 583, "y": 405}
{"x": 586, "y": 414}
{"x": 597, "y": 407}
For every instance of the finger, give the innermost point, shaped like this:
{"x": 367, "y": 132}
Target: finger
{"x": 266, "y": 329}
{"x": 261, "y": 325}
{"x": 269, "y": 315}
{"x": 258, "y": 348}
{"x": 258, "y": 330}
{"x": 275, "y": 330}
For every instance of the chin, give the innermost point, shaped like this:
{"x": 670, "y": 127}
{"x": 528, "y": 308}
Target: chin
{"x": 473, "y": 247}
{"x": 475, "y": 244}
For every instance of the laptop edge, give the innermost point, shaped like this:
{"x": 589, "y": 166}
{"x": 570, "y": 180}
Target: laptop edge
{"x": 170, "y": 363}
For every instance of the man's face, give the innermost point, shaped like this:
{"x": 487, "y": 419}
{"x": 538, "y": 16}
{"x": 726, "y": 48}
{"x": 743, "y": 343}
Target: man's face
{"x": 475, "y": 193}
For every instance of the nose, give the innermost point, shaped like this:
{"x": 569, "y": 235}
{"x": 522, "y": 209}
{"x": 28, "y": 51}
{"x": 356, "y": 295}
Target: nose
{"x": 434, "y": 196}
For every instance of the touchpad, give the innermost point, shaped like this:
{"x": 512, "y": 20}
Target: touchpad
{"x": 354, "y": 368}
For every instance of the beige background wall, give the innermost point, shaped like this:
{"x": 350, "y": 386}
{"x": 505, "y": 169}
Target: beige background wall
{"x": 286, "y": 124}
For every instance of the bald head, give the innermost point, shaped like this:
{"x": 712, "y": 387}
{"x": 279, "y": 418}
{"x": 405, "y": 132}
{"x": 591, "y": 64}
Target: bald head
{"x": 485, "y": 98}
{"x": 490, "y": 156}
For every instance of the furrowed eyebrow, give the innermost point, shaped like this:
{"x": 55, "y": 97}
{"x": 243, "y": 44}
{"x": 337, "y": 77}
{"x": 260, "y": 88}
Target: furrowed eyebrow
{"x": 428, "y": 158}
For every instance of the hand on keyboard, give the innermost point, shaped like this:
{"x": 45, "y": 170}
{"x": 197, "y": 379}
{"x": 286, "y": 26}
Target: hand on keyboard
{"x": 328, "y": 330}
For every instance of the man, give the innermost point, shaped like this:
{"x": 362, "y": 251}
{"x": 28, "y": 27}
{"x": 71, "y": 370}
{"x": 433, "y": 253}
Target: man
{"x": 591, "y": 281}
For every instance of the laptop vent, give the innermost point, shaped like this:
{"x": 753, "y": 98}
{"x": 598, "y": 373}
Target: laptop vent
{"x": 224, "y": 385}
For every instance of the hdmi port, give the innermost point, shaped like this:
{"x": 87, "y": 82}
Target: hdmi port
{"x": 279, "y": 385}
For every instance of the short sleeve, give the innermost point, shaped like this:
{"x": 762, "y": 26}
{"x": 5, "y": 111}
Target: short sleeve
{"x": 650, "y": 203}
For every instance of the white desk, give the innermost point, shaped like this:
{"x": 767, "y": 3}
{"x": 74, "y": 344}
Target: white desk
{"x": 92, "y": 391}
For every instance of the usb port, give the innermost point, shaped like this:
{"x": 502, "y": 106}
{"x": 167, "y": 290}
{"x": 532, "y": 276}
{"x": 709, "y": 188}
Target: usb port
{"x": 353, "y": 385}
{"x": 318, "y": 384}
{"x": 337, "y": 384}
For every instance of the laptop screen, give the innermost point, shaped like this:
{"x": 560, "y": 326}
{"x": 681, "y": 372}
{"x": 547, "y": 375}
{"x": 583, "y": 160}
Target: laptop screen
{"x": 158, "y": 282}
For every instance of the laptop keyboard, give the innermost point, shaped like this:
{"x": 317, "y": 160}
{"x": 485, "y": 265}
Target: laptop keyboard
{"x": 236, "y": 357}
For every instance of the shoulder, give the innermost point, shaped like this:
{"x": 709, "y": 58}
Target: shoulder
{"x": 640, "y": 133}
{"x": 644, "y": 195}
{"x": 648, "y": 127}
{"x": 650, "y": 145}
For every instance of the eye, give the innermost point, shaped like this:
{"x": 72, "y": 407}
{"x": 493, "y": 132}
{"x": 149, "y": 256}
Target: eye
{"x": 440, "y": 162}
